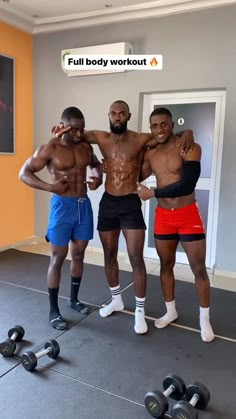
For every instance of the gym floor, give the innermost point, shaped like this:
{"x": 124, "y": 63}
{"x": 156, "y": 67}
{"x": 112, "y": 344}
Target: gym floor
{"x": 104, "y": 370}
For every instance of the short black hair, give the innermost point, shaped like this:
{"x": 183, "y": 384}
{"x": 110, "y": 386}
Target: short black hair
{"x": 160, "y": 111}
{"x": 71, "y": 113}
{"x": 123, "y": 102}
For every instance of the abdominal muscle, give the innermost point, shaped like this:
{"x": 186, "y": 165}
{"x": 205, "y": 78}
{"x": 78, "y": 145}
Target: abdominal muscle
{"x": 75, "y": 179}
{"x": 121, "y": 177}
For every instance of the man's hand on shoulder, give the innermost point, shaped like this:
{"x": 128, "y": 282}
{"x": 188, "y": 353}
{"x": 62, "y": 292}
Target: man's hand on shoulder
{"x": 185, "y": 141}
{"x": 193, "y": 154}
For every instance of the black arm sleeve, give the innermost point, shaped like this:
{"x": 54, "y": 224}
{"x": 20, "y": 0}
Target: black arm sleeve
{"x": 185, "y": 186}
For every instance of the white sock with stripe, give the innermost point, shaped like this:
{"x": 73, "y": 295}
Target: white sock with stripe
{"x": 140, "y": 326}
{"x": 116, "y": 303}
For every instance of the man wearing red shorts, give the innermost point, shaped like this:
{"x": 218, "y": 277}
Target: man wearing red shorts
{"x": 177, "y": 215}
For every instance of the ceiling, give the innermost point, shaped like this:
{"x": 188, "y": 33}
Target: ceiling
{"x": 55, "y": 15}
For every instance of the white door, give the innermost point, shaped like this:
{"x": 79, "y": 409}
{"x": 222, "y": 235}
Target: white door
{"x": 203, "y": 112}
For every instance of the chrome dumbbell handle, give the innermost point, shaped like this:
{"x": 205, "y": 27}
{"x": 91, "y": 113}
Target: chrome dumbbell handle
{"x": 14, "y": 336}
{"x": 169, "y": 390}
{"x": 43, "y": 352}
{"x": 194, "y": 400}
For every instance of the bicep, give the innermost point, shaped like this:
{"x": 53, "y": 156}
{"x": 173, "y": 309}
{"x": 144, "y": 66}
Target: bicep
{"x": 94, "y": 162}
{"x": 91, "y": 137}
{"x": 146, "y": 170}
{"x": 38, "y": 161}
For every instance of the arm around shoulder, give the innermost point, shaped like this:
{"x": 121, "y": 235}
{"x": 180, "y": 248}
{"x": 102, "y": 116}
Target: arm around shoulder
{"x": 93, "y": 136}
{"x": 194, "y": 154}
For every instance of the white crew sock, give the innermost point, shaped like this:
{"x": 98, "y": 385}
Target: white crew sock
{"x": 140, "y": 326}
{"x": 170, "y": 316}
{"x": 207, "y": 333}
{"x": 116, "y": 303}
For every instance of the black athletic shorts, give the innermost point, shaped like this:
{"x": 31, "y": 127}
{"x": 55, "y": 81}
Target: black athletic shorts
{"x": 120, "y": 212}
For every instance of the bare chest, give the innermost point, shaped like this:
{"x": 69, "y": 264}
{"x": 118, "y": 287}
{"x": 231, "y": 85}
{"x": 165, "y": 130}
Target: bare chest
{"x": 66, "y": 158}
{"x": 122, "y": 151}
{"x": 166, "y": 162}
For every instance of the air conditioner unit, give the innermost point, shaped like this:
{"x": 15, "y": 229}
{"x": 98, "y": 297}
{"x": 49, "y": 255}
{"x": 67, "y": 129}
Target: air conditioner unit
{"x": 119, "y": 48}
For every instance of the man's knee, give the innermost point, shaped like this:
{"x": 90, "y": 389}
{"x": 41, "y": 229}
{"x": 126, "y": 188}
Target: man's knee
{"x": 136, "y": 261}
{"x": 199, "y": 270}
{"x": 110, "y": 255}
{"x": 167, "y": 265}
{"x": 77, "y": 256}
{"x": 57, "y": 260}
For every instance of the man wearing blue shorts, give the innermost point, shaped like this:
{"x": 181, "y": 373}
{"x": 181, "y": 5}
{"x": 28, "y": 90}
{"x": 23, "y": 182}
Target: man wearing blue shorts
{"x": 70, "y": 216}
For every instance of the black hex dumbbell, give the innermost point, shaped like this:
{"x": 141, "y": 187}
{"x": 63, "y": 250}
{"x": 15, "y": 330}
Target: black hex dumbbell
{"x": 197, "y": 395}
{"x": 156, "y": 401}
{"x": 8, "y": 347}
{"x": 30, "y": 359}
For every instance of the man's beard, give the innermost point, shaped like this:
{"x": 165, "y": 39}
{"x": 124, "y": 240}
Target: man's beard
{"x": 118, "y": 129}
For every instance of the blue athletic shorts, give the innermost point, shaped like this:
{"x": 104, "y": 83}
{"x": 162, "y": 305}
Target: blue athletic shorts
{"x": 69, "y": 219}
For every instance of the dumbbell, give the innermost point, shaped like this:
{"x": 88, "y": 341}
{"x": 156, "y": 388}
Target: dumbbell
{"x": 156, "y": 402}
{"x": 30, "y": 359}
{"x": 8, "y": 347}
{"x": 197, "y": 395}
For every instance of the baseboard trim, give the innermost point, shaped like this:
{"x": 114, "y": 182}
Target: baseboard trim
{"x": 227, "y": 274}
{"x": 19, "y": 243}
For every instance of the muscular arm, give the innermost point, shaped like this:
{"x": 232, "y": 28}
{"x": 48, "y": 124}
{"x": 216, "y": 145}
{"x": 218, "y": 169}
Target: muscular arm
{"x": 146, "y": 169}
{"x": 34, "y": 164}
{"x": 189, "y": 176}
{"x": 185, "y": 186}
{"x": 92, "y": 137}
{"x": 96, "y": 167}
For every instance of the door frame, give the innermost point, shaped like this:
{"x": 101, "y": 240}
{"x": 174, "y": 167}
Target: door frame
{"x": 213, "y": 183}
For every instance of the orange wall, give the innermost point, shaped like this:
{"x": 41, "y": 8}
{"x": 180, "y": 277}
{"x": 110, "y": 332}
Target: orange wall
{"x": 17, "y": 200}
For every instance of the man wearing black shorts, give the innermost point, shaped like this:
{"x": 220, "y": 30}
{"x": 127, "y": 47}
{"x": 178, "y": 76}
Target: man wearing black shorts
{"x": 120, "y": 208}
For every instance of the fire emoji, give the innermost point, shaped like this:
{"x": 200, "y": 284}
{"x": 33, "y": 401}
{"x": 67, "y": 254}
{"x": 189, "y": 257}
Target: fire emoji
{"x": 153, "y": 62}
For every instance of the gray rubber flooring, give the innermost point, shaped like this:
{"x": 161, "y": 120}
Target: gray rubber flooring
{"x": 104, "y": 369}
{"x": 47, "y": 395}
{"x": 30, "y": 310}
{"x": 30, "y": 270}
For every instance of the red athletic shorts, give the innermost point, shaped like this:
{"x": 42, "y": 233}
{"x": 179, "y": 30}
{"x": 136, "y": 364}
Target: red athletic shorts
{"x": 184, "y": 224}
